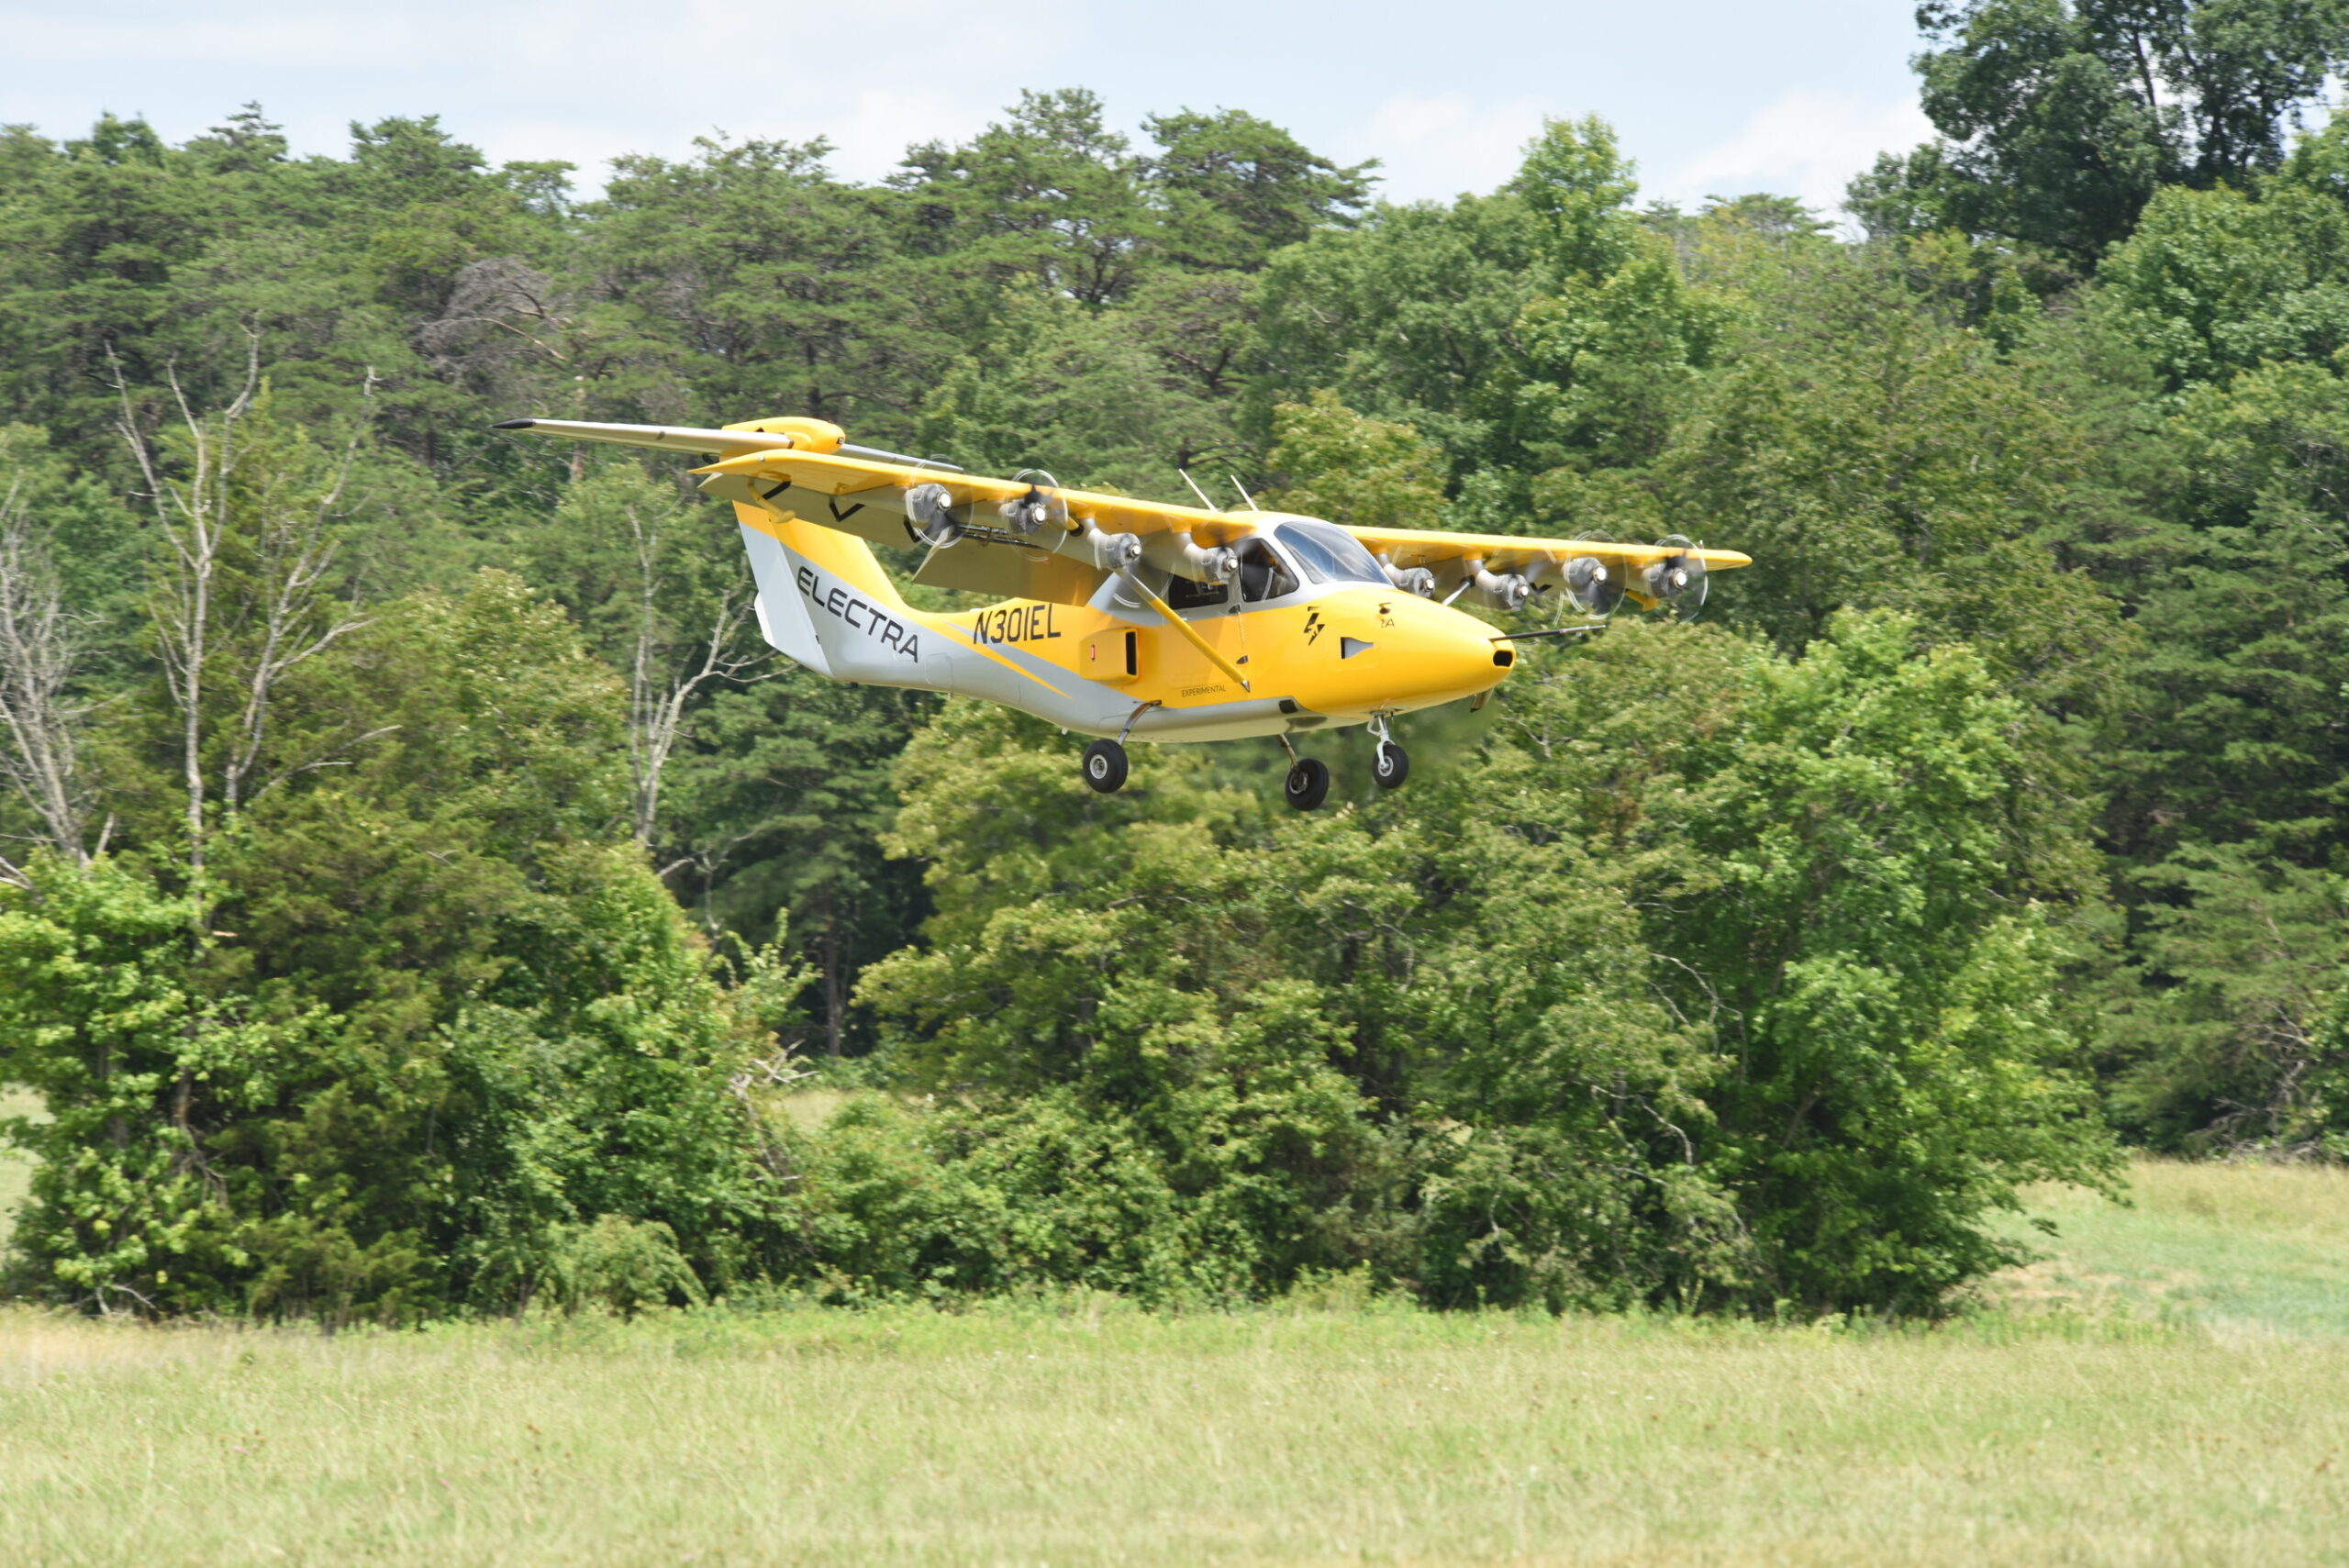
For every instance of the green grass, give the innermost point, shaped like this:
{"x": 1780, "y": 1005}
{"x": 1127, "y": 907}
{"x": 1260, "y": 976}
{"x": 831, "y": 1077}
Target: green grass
{"x": 2238, "y": 1250}
{"x": 2174, "y": 1388}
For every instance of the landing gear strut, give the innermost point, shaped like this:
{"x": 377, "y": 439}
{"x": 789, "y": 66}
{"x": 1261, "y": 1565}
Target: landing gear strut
{"x": 1105, "y": 761}
{"x": 1390, "y": 764}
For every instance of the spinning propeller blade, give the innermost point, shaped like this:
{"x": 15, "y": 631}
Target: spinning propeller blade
{"x": 1679, "y": 579}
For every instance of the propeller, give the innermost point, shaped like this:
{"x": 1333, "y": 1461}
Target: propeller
{"x": 1041, "y": 505}
{"x": 1679, "y": 579}
{"x": 931, "y": 508}
{"x": 1595, "y": 589}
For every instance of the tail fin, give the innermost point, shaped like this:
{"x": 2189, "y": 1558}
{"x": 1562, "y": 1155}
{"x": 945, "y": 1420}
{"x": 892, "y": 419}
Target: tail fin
{"x": 841, "y": 556}
{"x": 824, "y": 601}
{"x": 784, "y": 620}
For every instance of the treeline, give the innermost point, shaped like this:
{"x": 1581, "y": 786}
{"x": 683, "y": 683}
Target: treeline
{"x": 421, "y": 887}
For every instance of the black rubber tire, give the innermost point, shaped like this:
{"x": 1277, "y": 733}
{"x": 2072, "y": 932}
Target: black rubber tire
{"x": 1390, "y": 765}
{"x": 1309, "y": 784}
{"x": 1104, "y": 765}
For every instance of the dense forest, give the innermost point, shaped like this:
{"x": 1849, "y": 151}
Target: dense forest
{"x": 420, "y": 891}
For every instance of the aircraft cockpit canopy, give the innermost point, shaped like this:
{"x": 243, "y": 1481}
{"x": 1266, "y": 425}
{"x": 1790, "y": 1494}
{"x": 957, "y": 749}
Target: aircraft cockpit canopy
{"x": 1329, "y": 554}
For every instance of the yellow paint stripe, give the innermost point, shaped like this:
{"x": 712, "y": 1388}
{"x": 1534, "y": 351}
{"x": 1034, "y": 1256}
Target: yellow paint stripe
{"x": 982, "y": 648}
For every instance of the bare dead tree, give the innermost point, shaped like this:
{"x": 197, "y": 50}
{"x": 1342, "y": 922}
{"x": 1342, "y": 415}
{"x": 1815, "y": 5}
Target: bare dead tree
{"x": 503, "y": 317}
{"x": 39, "y": 651}
{"x": 287, "y": 614}
{"x": 657, "y": 693}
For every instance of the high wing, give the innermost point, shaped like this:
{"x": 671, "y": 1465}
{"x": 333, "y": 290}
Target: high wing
{"x": 1543, "y": 562}
{"x": 1023, "y": 538}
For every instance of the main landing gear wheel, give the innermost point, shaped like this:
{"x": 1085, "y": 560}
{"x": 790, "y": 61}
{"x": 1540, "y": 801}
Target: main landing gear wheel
{"x": 1309, "y": 784}
{"x": 1104, "y": 765}
{"x": 1391, "y": 766}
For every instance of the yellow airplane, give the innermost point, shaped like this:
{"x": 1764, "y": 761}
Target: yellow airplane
{"x": 1122, "y": 617}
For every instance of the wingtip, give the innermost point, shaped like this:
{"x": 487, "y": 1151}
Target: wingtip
{"x": 512, "y": 424}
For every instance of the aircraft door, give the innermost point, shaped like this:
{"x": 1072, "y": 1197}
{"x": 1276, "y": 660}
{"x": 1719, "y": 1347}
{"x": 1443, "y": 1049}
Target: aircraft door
{"x": 1263, "y": 573}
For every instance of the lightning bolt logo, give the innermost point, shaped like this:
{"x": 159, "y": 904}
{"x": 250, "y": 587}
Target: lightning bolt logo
{"x": 1313, "y": 626}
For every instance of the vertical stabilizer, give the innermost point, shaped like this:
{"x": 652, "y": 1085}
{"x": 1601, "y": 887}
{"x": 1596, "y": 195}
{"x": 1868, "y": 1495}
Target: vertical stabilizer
{"x": 825, "y": 601}
{"x": 783, "y": 614}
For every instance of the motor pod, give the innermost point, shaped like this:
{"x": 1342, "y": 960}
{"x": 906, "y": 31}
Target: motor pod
{"x": 1503, "y": 591}
{"x": 1594, "y": 587}
{"x": 1038, "y": 508}
{"x": 931, "y": 510}
{"x": 1109, "y": 553}
{"x": 1680, "y": 579}
{"x": 1411, "y": 579}
{"x": 1179, "y": 554}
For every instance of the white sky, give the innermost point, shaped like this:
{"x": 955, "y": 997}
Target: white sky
{"x": 1709, "y": 95}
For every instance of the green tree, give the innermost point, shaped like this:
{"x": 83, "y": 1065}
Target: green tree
{"x": 665, "y": 599}
{"x": 2222, "y": 1041}
{"x": 2061, "y": 118}
{"x": 1050, "y": 197}
{"x": 2234, "y": 733}
{"x": 747, "y": 281}
{"x": 1859, "y": 881}
{"x": 1875, "y": 453}
{"x": 2214, "y": 283}
{"x": 1540, "y": 327}
{"x": 1237, "y": 188}
{"x": 778, "y": 804}
{"x": 435, "y": 1034}
{"x": 1078, "y": 393}
{"x": 1332, "y": 463}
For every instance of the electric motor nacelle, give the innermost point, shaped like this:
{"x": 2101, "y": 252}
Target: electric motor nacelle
{"x": 930, "y": 508}
{"x": 1503, "y": 591}
{"x": 1108, "y": 552}
{"x": 1594, "y": 587}
{"x": 1411, "y": 579}
{"x": 1178, "y": 554}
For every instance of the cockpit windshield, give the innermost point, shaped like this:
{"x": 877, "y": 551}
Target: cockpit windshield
{"x": 1329, "y": 554}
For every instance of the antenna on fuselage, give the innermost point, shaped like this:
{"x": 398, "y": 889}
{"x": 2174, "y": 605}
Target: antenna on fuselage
{"x": 1244, "y": 496}
{"x": 1196, "y": 491}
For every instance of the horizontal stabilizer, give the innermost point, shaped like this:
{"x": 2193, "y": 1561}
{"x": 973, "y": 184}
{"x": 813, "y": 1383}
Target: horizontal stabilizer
{"x": 668, "y": 438}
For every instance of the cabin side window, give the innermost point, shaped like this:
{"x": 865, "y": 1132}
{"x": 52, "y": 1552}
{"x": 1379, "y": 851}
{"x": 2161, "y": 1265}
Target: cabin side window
{"x": 1181, "y": 594}
{"x": 1263, "y": 573}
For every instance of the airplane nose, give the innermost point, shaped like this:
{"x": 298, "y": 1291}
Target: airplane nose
{"x": 1465, "y": 660}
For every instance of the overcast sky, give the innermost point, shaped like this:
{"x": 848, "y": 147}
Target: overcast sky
{"x": 1710, "y": 96}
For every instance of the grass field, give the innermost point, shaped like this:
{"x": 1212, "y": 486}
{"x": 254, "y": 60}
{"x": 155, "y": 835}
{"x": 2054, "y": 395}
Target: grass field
{"x": 2171, "y": 1388}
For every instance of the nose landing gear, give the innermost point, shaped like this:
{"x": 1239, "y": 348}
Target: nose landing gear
{"x": 1390, "y": 764}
